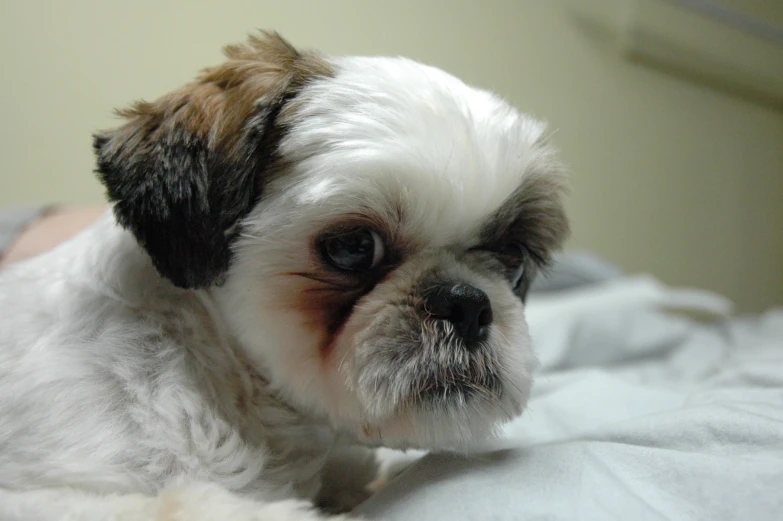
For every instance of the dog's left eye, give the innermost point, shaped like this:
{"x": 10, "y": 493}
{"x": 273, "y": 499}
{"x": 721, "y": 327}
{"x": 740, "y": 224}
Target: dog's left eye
{"x": 515, "y": 253}
{"x": 356, "y": 250}
{"x": 517, "y": 274}
{"x": 514, "y": 256}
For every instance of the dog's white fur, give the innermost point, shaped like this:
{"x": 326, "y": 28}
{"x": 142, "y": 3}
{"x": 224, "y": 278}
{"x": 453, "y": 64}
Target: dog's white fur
{"x": 118, "y": 389}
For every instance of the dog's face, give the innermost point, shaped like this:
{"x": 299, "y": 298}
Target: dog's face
{"x": 369, "y": 227}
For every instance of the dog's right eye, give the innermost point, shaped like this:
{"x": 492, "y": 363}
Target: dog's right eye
{"x": 356, "y": 250}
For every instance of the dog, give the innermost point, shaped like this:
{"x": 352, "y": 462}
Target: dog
{"x": 306, "y": 257}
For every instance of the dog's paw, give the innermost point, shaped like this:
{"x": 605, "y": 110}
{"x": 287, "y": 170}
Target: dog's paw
{"x": 392, "y": 463}
{"x": 343, "y": 500}
{"x": 197, "y": 502}
{"x": 345, "y": 478}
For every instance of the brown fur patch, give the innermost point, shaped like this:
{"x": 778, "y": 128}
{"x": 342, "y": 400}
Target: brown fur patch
{"x": 169, "y": 507}
{"x": 327, "y": 297}
{"x": 325, "y": 300}
{"x": 217, "y": 105}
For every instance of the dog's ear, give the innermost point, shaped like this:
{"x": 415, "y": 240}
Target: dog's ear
{"x": 183, "y": 170}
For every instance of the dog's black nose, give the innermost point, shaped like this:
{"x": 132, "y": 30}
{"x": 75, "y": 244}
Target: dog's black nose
{"x": 465, "y": 306}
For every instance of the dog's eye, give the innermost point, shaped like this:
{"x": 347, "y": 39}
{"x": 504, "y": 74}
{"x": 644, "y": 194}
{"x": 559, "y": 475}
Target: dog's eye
{"x": 515, "y": 255}
{"x": 356, "y": 250}
{"x": 517, "y": 274}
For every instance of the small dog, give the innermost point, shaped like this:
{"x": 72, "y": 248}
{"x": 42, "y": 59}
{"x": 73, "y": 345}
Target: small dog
{"x": 306, "y": 255}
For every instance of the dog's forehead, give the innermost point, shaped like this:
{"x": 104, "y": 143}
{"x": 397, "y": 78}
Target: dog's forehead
{"x": 393, "y": 133}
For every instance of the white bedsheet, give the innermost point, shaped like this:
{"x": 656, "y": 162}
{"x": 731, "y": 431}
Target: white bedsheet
{"x": 638, "y": 413}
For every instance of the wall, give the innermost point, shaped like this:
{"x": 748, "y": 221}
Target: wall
{"x": 669, "y": 177}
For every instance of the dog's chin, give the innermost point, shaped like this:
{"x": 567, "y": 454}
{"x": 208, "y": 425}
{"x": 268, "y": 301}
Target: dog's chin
{"x": 450, "y": 428}
{"x": 437, "y": 393}
{"x": 456, "y": 420}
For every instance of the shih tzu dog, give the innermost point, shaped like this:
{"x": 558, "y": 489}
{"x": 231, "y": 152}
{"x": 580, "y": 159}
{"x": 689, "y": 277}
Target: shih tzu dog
{"x": 306, "y": 254}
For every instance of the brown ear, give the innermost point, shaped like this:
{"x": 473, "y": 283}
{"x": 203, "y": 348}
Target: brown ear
{"x": 184, "y": 169}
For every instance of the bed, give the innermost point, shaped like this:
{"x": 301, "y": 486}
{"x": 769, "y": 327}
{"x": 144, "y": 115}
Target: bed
{"x": 651, "y": 403}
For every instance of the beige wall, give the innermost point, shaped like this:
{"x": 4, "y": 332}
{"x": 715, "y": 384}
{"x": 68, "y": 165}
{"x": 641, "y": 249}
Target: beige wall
{"x": 669, "y": 177}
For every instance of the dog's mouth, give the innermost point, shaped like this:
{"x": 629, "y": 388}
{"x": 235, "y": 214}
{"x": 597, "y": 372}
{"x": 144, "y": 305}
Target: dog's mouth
{"x": 443, "y": 408}
{"x": 432, "y": 370}
{"x": 449, "y": 388}
{"x": 458, "y": 372}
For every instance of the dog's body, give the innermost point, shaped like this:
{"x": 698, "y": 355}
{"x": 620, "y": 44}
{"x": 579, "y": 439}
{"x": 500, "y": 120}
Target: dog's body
{"x": 120, "y": 382}
{"x": 184, "y": 399}
{"x": 302, "y": 251}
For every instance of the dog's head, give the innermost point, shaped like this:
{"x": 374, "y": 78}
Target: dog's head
{"x": 368, "y": 226}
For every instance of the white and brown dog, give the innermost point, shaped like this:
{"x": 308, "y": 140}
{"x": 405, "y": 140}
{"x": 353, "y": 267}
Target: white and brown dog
{"x": 303, "y": 251}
